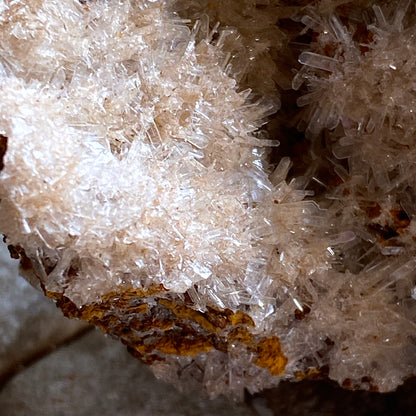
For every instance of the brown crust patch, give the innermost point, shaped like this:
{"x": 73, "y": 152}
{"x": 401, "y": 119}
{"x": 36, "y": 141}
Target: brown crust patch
{"x": 3, "y": 149}
{"x": 16, "y": 252}
{"x": 314, "y": 373}
{"x": 299, "y": 315}
{"x": 366, "y": 382}
{"x": 400, "y": 219}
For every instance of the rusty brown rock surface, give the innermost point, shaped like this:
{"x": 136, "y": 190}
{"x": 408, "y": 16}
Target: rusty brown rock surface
{"x": 152, "y": 327}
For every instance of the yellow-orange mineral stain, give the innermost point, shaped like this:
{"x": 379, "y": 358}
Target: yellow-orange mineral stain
{"x": 221, "y": 329}
{"x": 169, "y": 344}
{"x": 184, "y": 312}
{"x": 312, "y": 373}
{"x": 270, "y": 355}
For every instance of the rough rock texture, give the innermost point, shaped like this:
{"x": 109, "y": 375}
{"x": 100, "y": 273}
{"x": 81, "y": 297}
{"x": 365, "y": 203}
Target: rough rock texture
{"x": 30, "y": 326}
{"x": 73, "y": 381}
{"x": 142, "y": 185}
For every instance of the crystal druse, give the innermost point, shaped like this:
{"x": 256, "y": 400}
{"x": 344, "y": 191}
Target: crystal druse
{"x": 228, "y": 187}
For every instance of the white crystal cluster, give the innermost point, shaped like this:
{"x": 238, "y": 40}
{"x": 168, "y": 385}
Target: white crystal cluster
{"x": 130, "y": 153}
{"x": 249, "y": 37}
{"x": 136, "y": 158}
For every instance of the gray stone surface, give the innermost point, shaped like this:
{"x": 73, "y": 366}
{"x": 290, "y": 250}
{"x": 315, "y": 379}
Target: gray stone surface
{"x": 30, "y": 324}
{"x": 96, "y": 376}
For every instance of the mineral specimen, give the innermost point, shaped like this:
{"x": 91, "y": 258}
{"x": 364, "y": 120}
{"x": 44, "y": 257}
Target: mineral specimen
{"x": 144, "y": 189}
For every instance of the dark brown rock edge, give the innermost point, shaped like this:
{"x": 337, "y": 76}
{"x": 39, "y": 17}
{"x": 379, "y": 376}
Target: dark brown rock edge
{"x": 154, "y": 324}
{"x": 3, "y": 149}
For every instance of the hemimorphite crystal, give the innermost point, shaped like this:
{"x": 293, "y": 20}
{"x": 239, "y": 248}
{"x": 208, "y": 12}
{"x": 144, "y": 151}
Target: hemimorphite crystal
{"x": 142, "y": 186}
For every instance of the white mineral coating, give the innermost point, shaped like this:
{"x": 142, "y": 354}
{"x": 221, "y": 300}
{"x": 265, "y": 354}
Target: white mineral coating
{"x": 156, "y": 177}
{"x": 134, "y": 160}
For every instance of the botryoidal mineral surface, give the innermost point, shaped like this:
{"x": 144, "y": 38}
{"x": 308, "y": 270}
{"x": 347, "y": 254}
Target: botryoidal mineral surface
{"x": 228, "y": 187}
